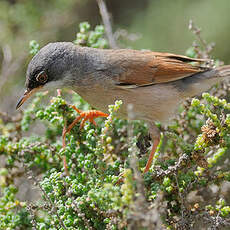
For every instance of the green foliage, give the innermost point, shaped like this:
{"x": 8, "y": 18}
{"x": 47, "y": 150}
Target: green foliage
{"x": 13, "y": 213}
{"x": 34, "y": 47}
{"x": 92, "y": 38}
{"x": 80, "y": 183}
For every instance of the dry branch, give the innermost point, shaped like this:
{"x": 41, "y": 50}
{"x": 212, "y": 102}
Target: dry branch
{"x": 106, "y": 21}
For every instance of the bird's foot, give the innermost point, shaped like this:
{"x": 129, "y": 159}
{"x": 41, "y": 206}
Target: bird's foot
{"x": 89, "y": 115}
{"x": 149, "y": 163}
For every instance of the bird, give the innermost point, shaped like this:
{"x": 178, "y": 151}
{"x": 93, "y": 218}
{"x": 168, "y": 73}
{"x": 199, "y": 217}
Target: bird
{"x": 154, "y": 83}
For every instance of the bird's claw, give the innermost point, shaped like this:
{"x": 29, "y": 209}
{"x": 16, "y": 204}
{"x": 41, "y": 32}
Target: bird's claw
{"x": 89, "y": 115}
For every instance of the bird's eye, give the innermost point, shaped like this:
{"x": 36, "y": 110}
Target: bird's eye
{"x": 42, "y": 77}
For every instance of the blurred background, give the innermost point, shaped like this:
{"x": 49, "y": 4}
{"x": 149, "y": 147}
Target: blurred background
{"x": 150, "y": 24}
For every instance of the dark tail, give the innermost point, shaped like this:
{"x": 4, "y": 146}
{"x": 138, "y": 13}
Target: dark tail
{"x": 203, "y": 81}
{"x": 224, "y": 71}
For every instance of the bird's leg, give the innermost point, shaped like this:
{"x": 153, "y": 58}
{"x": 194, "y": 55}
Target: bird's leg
{"x": 66, "y": 130}
{"x": 155, "y": 135}
{"x": 89, "y": 115}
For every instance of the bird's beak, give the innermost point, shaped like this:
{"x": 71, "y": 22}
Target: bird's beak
{"x": 28, "y": 93}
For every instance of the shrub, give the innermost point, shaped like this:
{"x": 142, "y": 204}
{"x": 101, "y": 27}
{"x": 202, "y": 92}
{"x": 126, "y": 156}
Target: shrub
{"x": 191, "y": 158}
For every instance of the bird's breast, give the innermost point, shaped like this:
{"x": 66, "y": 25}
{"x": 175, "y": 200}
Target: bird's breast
{"x": 152, "y": 103}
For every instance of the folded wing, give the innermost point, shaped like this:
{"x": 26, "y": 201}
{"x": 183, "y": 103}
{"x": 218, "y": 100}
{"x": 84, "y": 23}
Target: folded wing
{"x": 147, "y": 68}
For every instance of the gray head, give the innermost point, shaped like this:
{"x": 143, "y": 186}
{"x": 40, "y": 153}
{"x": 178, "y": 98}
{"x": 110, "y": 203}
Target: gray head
{"x": 49, "y": 68}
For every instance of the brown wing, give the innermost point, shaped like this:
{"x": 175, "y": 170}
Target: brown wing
{"x": 145, "y": 68}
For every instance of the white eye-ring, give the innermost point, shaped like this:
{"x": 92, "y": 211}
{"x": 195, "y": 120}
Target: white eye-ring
{"x": 42, "y": 77}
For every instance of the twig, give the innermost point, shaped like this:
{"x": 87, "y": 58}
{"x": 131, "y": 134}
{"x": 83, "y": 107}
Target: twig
{"x": 182, "y": 162}
{"x": 77, "y": 209}
{"x": 184, "y": 220}
{"x": 217, "y": 222}
{"x": 140, "y": 215}
{"x": 82, "y": 215}
{"x": 47, "y": 198}
{"x": 207, "y": 48}
{"x": 107, "y": 23}
{"x": 197, "y": 32}
{"x": 133, "y": 160}
{"x": 29, "y": 208}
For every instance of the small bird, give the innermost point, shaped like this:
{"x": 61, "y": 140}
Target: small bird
{"x": 154, "y": 83}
